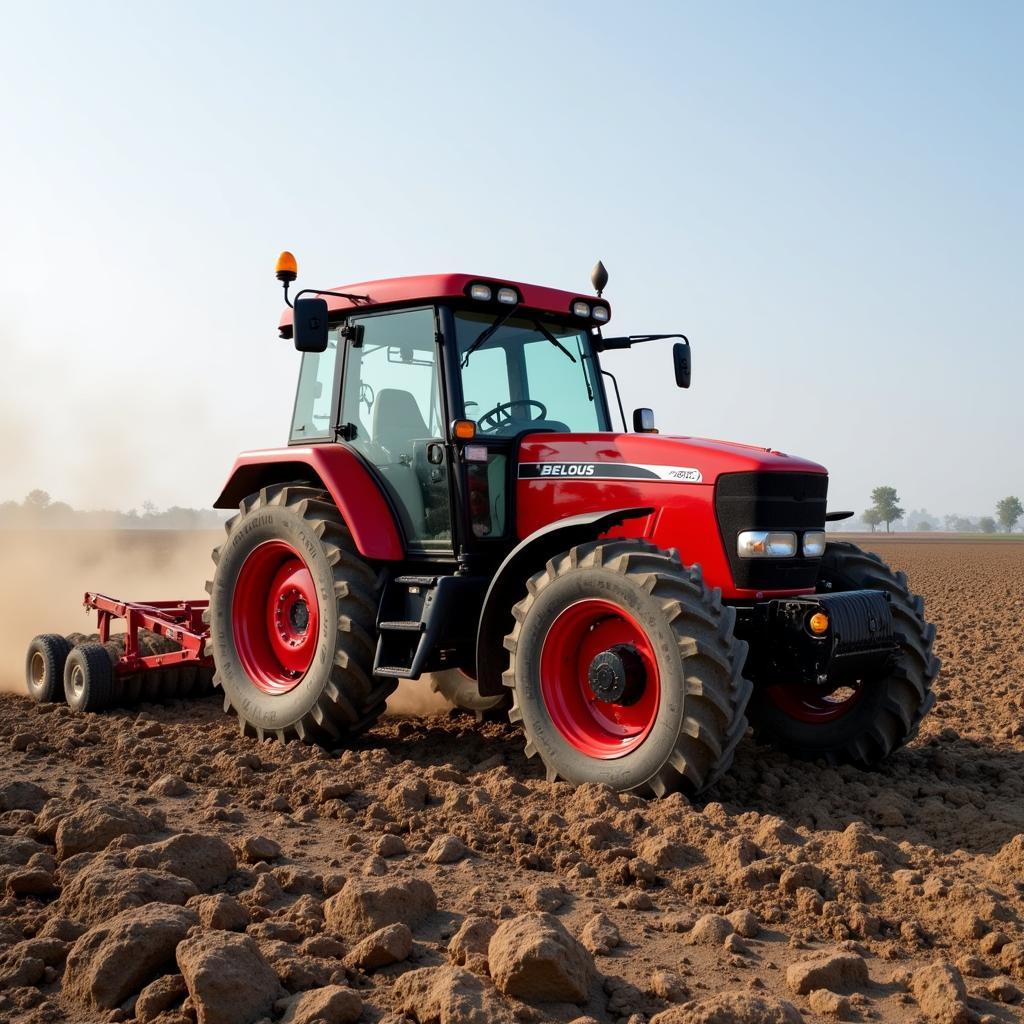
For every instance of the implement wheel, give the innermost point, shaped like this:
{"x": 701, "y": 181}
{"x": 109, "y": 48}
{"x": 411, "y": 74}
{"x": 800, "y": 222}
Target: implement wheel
{"x": 461, "y": 690}
{"x": 864, "y": 723}
{"x": 88, "y": 678}
{"x": 44, "y": 667}
{"x": 625, "y": 670}
{"x": 292, "y": 619}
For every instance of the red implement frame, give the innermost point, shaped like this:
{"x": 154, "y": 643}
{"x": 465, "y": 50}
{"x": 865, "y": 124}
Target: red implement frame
{"x": 180, "y": 621}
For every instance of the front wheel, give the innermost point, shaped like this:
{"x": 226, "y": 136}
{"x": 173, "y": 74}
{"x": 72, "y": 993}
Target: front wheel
{"x": 864, "y": 723}
{"x": 625, "y": 671}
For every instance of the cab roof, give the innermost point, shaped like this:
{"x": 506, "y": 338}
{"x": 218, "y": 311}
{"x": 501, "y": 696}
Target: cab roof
{"x": 402, "y": 291}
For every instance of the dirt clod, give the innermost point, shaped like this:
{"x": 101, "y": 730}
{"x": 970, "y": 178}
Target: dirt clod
{"x": 836, "y": 971}
{"x": 388, "y": 945}
{"x": 229, "y": 980}
{"x": 534, "y": 958}
{"x": 940, "y": 992}
{"x": 115, "y": 959}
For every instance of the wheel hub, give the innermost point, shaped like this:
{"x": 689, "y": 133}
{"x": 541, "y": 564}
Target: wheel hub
{"x": 599, "y": 678}
{"x": 617, "y": 676}
{"x": 276, "y": 617}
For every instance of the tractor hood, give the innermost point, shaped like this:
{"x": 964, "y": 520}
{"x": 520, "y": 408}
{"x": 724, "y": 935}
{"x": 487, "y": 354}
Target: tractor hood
{"x": 684, "y": 460}
{"x": 698, "y": 496}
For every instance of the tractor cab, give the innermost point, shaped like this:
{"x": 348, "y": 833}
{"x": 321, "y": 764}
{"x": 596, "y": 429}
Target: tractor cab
{"x": 435, "y": 381}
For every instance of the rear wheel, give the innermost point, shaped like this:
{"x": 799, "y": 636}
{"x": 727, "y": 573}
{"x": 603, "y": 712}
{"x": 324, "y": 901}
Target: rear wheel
{"x": 625, "y": 670}
{"x": 863, "y": 723}
{"x": 292, "y": 614}
{"x": 44, "y": 667}
{"x": 461, "y": 689}
{"x": 89, "y": 678}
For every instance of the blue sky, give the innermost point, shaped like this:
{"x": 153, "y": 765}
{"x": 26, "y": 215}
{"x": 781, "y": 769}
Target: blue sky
{"x": 825, "y": 197}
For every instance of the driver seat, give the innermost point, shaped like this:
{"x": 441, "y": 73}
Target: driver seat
{"x": 397, "y": 423}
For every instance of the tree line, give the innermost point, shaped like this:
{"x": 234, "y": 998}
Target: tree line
{"x": 38, "y": 510}
{"x": 885, "y": 508}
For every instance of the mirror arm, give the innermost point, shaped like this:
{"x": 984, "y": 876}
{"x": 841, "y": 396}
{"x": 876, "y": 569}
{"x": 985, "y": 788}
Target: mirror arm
{"x": 618, "y": 397}
{"x": 354, "y": 299}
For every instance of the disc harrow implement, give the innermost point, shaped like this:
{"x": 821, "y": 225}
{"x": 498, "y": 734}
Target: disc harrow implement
{"x": 161, "y": 655}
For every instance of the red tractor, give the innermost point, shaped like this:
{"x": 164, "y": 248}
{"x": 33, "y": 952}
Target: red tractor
{"x": 456, "y": 501}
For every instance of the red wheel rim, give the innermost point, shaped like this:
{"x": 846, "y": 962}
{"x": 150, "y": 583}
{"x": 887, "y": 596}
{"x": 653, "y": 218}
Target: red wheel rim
{"x": 808, "y": 705}
{"x": 275, "y": 617}
{"x": 584, "y": 631}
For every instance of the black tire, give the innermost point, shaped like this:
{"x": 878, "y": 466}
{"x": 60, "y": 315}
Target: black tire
{"x": 461, "y": 690}
{"x": 337, "y": 697}
{"x": 889, "y": 712}
{"x": 698, "y": 718}
{"x": 44, "y": 667}
{"x": 88, "y": 678}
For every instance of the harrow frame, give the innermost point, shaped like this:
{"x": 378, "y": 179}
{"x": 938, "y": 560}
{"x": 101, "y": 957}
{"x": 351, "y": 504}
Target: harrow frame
{"x": 178, "y": 621}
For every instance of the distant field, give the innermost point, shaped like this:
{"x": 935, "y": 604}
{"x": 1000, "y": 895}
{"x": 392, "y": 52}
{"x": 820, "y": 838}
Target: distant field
{"x": 867, "y": 539}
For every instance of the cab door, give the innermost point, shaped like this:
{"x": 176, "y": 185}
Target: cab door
{"x": 392, "y": 414}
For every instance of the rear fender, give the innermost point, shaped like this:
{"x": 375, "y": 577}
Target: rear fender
{"x": 509, "y": 583}
{"x": 337, "y": 469}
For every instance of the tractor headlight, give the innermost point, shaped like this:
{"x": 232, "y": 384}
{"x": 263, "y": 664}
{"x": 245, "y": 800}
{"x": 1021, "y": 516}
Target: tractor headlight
{"x": 601, "y": 314}
{"x": 508, "y": 296}
{"x": 581, "y": 308}
{"x": 814, "y": 543}
{"x": 766, "y": 544}
{"x": 480, "y": 292}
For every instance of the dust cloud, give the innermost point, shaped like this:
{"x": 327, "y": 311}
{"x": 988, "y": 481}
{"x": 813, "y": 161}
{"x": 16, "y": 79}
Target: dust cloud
{"x": 414, "y": 698}
{"x": 46, "y": 573}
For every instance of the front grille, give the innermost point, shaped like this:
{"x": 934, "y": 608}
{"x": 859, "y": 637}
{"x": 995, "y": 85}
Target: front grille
{"x": 770, "y": 501}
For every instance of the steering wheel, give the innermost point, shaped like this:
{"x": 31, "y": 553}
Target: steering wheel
{"x": 496, "y": 418}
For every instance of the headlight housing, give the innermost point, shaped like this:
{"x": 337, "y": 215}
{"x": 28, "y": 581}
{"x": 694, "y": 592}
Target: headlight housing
{"x": 766, "y": 544}
{"x": 814, "y": 543}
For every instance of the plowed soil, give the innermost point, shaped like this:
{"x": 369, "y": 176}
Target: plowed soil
{"x": 917, "y": 863}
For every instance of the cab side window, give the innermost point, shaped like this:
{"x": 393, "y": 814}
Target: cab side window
{"x": 315, "y": 395}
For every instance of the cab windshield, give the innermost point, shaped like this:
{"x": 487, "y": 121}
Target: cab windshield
{"x": 529, "y": 374}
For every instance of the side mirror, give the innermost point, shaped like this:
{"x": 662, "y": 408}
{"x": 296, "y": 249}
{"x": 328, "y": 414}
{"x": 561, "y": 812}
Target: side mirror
{"x": 643, "y": 421}
{"x": 681, "y": 359}
{"x": 310, "y": 325}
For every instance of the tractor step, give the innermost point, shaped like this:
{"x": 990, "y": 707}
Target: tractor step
{"x": 393, "y": 671}
{"x": 422, "y": 620}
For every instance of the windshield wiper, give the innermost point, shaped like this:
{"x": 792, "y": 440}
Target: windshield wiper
{"x": 554, "y": 341}
{"x": 486, "y": 333}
